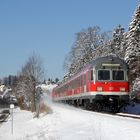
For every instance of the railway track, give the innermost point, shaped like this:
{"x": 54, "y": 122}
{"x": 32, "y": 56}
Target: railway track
{"x": 115, "y": 114}
{"x": 121, "y": 115}
{"x": 128, "y": 115}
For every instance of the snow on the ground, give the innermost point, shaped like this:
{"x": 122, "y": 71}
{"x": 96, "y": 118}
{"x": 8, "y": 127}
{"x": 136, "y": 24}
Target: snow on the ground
{"x": 69, "y": 123}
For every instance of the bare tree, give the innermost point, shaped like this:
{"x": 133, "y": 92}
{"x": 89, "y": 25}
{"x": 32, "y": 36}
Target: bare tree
{"x": 33, "y": 68}
{"x": 31, "y": 75}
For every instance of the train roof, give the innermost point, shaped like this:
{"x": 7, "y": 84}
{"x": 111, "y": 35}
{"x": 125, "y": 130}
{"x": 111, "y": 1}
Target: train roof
{"x": 111, "y": 59}
{"x": 96, "y": 63}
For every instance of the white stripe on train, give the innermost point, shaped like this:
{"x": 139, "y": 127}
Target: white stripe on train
{"x": 92, "y": 94}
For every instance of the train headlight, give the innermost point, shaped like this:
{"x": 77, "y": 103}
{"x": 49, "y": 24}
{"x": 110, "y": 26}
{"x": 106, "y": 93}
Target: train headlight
{"x": 99, "y": 89}
{"x": 122, "y": 89}
{"x": 111, "y": 88}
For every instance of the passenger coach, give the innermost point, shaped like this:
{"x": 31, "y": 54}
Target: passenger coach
{"x": 101, "y": 84}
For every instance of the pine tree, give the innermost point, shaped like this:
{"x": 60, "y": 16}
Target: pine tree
{"x": 117, "y": 44}
{"x": 133, "y": 38}
{"x": 132, "y": 55}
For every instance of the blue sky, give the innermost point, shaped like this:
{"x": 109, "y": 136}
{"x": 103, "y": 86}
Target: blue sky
{"x": 48, "y": 27}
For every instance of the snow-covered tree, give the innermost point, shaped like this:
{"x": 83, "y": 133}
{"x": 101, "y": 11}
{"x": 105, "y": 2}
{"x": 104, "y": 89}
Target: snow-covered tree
{"x": 133, "y": 38}
{"x": 117, "y": 43}
{"x": 113, "y": 45}
{"x": 136, "y": 87}
{"x": 132, "y": 55}
{"x": 87, "y": 42}
{"x": 34, "y": 68}
{"x": 123, "y": 46}
{"x": 30, "y": 76}
{"x": 24, "y": 90}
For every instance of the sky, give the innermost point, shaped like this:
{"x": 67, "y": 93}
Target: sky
{"x": 48, "y": 28}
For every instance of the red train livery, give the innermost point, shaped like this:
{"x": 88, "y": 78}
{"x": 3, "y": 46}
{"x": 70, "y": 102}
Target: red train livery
{"x": 103, "y": 83}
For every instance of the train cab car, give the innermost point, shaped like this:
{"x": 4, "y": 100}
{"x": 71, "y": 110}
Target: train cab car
{"x": 110, "y": 76}
{"x": 102, "y": 83}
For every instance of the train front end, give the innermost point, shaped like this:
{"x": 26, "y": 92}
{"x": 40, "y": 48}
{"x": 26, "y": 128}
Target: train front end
{"x": 110, "y": 81}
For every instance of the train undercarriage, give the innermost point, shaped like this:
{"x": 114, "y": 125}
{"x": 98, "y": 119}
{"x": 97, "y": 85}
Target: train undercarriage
{"x": 109, "y": 103}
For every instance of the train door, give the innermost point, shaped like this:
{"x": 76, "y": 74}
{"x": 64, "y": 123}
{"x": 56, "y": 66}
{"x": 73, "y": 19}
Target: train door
{"x": 84, "y": 82}
{"x": 90, "y": 80}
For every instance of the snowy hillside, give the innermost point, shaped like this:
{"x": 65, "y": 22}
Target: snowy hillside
{"x": 69, "y": 123}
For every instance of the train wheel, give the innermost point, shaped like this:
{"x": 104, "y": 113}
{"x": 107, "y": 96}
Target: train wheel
{"x": 85, "y": 104}
{"x": 98, "y": 107}
{"x": 115, "y": 109}
{"x": 88, "y": 105}
{"x": 78, "y": 103}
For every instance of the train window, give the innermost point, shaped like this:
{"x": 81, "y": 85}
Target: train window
{"x": 118, "y": 74}
{"x": 91, "y": 75}
{"x": 103, "y": 75}
{"x": 72, "y": 84}
{"x": 78, "y": 82}
{"x": 81, "y": 81}
{"x": 84, "y": 79}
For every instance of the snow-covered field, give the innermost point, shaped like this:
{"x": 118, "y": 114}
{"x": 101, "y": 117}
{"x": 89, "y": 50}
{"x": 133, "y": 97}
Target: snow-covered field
{"x": 69, "y": 123}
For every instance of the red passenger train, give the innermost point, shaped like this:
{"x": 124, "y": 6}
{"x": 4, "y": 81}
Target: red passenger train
{"x": 101, "y": 84}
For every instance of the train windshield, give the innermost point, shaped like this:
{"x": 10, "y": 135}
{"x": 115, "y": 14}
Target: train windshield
{"x": 103, "y": 75}
{"x": 118, "y": 74}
